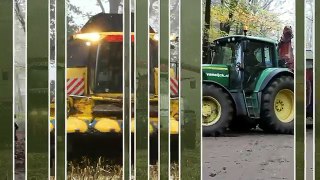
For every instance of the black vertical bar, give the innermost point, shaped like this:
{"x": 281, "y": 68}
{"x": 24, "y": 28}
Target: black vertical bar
{"x": 6, "y": 82}
{"x": 37, "y": 89}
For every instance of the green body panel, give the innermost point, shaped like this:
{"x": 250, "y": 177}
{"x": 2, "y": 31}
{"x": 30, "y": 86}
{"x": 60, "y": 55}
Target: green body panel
{"x": 262, "y": 77}
{"x": 37, "y": 90}
{"x": 216, "y": 72}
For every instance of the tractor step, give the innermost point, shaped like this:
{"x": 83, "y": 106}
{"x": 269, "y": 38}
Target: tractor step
{"x": 253, "y": 106}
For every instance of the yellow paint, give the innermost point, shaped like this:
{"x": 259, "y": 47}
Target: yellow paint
{"x": 107, "y": 125}
{"x": 51, "y": 127}
{"x": 211, "y": 111}
{"x": 174, "y": 126}
{"x": 283, "y": 105}
{"x": 76, "y": 125}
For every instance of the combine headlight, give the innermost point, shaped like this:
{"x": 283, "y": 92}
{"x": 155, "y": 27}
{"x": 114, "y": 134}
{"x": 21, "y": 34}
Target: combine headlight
{"x": 93, "y": 37}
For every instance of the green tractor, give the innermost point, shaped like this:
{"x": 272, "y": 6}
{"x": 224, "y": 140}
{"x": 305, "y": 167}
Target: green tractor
{"x": 245, "y": 84}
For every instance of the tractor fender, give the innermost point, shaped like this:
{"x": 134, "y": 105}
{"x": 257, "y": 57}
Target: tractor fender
{"x": 235, "y": 102}
{"x": 268, "y": 75}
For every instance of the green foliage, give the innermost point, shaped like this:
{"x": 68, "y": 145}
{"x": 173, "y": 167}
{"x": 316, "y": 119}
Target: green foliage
{"x": 230, "y": 16}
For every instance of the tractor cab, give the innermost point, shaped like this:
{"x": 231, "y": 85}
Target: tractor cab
{"x": 240, "y": 60}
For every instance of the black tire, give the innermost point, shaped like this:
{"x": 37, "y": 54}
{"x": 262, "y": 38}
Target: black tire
{"x": 227, "y": 110}
{"x": 269, "y": 122}
{"x": 242, "y": 124}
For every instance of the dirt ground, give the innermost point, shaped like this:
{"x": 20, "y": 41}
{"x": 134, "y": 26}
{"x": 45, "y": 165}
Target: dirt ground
{"x": 20, "y": 156}
{"x": 309, "y": 154}
{"x": 248, "y": 156}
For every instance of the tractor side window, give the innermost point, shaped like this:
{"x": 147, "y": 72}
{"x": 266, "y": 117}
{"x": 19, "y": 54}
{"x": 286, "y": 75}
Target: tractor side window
{"x": 267, "y": 56}
{"x": 258, "y": 54}
{"x": 225, "y": 53}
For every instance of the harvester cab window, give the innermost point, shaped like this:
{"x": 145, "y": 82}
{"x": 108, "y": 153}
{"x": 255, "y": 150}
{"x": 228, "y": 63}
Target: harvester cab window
{"x": 109, "y": 68}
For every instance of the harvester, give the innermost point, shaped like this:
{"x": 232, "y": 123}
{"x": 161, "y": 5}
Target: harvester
{"x": 95, "y": 86}
{"x": 245, "y": 84}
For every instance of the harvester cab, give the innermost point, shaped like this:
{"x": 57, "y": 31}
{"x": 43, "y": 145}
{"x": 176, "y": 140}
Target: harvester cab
{"x": 245, "y": 86}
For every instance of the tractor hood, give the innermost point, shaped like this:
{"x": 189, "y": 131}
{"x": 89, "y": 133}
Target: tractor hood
{"x": 216, "y": 72}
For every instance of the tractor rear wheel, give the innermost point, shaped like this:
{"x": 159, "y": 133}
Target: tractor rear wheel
{"x": 217, "y": 110}
{"x": 277, "y": 106}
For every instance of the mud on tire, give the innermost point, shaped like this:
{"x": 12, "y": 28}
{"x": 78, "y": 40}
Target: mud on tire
{"x": 269, "y": 121}
{"x": 226, "y": 114}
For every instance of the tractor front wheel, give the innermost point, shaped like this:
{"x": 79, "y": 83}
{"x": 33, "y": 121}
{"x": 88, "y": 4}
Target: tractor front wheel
{"x": 277, "y": 106}
{"x": 217, "y": 110}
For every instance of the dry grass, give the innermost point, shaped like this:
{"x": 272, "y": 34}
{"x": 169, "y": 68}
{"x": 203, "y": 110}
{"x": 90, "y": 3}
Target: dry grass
{"x": 87, "y": 169}
{"x": 101, "y": 169}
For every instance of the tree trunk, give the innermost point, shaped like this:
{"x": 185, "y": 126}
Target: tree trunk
{"x": 114, "y": 6}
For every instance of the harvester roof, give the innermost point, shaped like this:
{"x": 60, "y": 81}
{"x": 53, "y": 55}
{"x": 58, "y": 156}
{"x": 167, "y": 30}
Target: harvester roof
{"x": 101, "y": 26}
{"x": 104, "y": 22}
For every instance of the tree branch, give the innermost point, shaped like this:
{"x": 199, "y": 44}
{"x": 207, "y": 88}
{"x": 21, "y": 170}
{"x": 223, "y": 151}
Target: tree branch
{"x": 101, "y": 6}
{"x": 19, "y": 15}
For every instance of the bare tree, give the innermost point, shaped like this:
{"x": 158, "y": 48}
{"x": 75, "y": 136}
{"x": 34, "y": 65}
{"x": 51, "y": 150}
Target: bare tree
{"x": 114, "y": 5}
{"x": 19, "y": 13}
{"x": 101, "y": 6}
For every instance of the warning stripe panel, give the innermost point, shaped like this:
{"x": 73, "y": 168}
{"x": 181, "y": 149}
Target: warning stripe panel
{"x": 174, "y": 86}
{"x": 75, "y": 86}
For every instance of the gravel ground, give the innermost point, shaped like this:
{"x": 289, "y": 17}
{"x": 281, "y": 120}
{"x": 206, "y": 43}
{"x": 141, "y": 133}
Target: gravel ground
{"x": 20, "y": 156}
{"x": 248, "y": 156}
{"x": 309, "y": 154}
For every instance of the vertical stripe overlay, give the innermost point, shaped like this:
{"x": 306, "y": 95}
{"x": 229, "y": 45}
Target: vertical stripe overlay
{"x": 60, "y": 97}
{"x": 142, "y": 90}
{"x": 190, "y": 88}
{"x": 6, "y": 82}
{"x": 299, "y": 90}
{"x": 37, "y": 89}
{"x": 164, "y": 90}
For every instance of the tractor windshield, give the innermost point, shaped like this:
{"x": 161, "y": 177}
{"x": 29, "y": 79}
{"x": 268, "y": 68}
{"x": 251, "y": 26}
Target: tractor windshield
{"x": 226, "y": 52}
